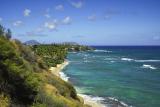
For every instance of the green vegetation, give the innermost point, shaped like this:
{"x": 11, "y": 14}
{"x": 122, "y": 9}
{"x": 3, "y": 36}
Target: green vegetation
{"x": 25, "y": 79}
{"x": 71, "y": 46}
{"x": 52, "y": 54}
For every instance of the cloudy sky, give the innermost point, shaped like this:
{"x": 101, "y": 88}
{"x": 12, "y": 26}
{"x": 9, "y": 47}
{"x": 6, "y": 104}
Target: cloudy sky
{"x": 91, "y": 22}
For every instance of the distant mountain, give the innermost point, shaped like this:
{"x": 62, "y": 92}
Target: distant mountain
{"x": 32, "y": 42}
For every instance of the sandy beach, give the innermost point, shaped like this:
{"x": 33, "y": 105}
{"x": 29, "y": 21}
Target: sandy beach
{"x": 56, "y": 70}
{"x": 87, "y": 100}
{"x": 91, "y": 101}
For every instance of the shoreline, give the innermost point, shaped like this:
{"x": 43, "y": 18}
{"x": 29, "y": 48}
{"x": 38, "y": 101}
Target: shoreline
{"x": 56, "y": 70}
{"x": 90, "y": 101}
{"x": 87, "y": 99}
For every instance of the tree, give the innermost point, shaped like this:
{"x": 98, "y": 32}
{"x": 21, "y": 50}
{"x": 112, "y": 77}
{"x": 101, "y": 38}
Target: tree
{"x": 8, "y": 34}
{"x": 1, "y": 30}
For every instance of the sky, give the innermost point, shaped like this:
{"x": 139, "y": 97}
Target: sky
{"x": 88, "y": 22}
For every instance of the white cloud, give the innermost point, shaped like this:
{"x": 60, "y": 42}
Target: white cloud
{"x": 67, "y": 20}
{"x": 17, "y": 23}
{"x": 47, "y": 15}
{"x": 77, "y": 4}
{"x": 27, "y": 12}
{"x": 59, "y": 7}
{"x": 1, "y": 19}
{"x": 50, "y": 25}
{"x": 92, "y": 17}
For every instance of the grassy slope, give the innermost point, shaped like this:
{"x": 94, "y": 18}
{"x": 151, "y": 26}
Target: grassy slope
{"x": 25, "y": 81}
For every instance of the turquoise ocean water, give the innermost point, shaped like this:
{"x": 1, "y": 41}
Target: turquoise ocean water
{"x": 117, "y": 76}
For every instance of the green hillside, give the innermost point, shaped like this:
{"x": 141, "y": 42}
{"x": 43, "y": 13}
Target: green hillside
{"x": 24, "y": 77}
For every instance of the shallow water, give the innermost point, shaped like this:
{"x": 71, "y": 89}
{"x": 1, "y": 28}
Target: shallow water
{"x": 118, "y": 76}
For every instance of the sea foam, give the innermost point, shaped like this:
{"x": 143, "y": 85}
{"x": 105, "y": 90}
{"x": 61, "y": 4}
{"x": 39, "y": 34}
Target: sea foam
{"x": 150, "y": 60}
{"x": 63, "y": 76}
{"x": 120, "y": 102}
{"x": 148, "y": 66}
{"x": 87, "y": 61}
{"x": 138, "y": 60}
{"x": 102, "y": 51}
{"x": 72, "y": 52}
{"x": 93, "y": 100}
{"x": 110, "y": 58}
{"x": 127, "y": 59}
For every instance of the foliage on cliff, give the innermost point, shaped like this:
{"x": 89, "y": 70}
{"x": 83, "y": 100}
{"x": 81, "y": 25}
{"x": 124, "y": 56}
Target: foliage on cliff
{"x": 25, "y": 80}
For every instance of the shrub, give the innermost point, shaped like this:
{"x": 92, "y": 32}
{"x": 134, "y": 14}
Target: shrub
{"x": 4, "y": 100}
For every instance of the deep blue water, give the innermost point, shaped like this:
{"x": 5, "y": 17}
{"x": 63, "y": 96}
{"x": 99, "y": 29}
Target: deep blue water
{"x": 130, "y": 75}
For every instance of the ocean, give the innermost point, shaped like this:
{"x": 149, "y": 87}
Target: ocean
{"x": 117, "y": 76}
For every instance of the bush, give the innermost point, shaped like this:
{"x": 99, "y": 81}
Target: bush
{"x": 22, "y": 82}
{"x": 4, "y": 100}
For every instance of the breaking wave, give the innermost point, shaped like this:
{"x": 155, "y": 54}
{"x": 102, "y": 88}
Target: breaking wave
{"x": 102, "y": 51}
{"x": 148, "y": 66}
{"x": 93, "y": 100}
{"x": 136, "y": 60}
{"x": 63, "y": 76}
{"x": 127, "y": 59}
{"x": 151, "y": 60}
{"x": 120, "y": 103}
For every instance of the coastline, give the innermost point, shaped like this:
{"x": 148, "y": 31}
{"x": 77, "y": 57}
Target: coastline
{"x": 87, "y": 99}
{"x": 91, "y": 101}
{"x": 56, "y": 70}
